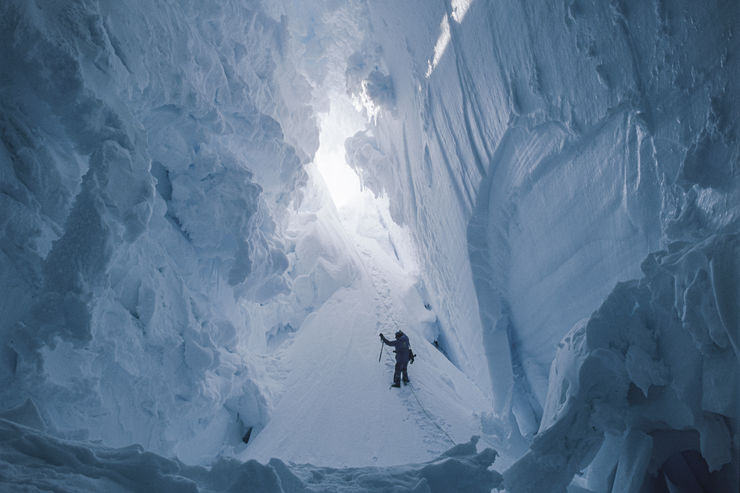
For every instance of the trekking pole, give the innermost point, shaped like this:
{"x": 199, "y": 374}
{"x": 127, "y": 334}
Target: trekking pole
{"x": 382, "y": 344}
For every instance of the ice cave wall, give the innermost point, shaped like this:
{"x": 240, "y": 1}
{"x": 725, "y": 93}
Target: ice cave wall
{"x": 148, "y": 155}
{"x": 539, "y": 154}
{"x": 564, "y": 141}
{"x": 549, "y": 152}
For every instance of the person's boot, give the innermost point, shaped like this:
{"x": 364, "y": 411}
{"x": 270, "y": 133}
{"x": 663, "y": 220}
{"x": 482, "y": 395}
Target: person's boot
{"x": 396, "y": 384}
{"x": 406, "y": 381}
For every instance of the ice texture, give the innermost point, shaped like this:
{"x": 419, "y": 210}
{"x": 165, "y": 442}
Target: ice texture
{"x": 143, "y": 164}
{"x": 551, "y": 212}
{"x": 628, "y": 372}
{"x": 560, "y": 144}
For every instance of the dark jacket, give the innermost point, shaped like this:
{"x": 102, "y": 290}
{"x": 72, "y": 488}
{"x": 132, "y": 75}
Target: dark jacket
{"x": 402, "y": 348}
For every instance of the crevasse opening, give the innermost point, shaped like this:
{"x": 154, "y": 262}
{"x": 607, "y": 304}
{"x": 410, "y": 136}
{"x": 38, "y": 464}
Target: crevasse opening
{"x": 337, "y": 125}
{"x": 210, "y": 211}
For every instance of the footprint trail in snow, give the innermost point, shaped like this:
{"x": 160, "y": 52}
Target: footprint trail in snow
{"x": 336, "y": 408}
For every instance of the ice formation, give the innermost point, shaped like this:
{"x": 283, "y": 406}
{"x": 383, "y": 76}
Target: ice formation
{"x": 549, "y": 207}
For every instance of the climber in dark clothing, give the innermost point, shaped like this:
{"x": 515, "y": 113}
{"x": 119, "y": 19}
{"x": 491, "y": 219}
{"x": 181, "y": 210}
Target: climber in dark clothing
{"x": 403, "y": 355}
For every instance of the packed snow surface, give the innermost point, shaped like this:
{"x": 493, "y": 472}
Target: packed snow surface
{"x": 543, "y": 195}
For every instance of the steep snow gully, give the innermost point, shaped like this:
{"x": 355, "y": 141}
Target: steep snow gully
{"x": 210, "y": 210}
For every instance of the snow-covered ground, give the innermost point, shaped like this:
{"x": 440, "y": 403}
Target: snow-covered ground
{"x": 543, "y": 195}
{"x": 333, "y": 404}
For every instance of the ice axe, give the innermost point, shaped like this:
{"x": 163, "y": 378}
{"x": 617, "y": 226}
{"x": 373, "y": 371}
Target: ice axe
{"x": 382, "y": 344}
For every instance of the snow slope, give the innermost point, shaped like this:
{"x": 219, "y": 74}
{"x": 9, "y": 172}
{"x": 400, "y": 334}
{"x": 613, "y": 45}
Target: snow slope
{"x": 335, "y": 406}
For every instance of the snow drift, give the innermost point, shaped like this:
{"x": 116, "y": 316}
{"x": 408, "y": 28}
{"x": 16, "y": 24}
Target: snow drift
{"x": 39, "y": 462}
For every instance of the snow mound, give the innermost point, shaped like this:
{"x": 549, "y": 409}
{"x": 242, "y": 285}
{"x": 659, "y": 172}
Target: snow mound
{"x": 35, "y": 461}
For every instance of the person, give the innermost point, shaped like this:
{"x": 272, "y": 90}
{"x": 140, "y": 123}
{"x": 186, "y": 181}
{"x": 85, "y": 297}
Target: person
{"x": 403, "y": 354}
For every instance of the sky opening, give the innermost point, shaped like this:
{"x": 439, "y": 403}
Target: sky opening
{"x": 341, "y": 122}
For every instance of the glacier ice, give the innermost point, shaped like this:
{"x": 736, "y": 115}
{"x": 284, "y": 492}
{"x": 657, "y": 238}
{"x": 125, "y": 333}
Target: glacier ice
{"x": 549, "y": 208}
{"x": 564, "y": 152}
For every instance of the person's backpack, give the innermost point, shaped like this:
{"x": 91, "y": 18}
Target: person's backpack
{"x": 403, "y": 344}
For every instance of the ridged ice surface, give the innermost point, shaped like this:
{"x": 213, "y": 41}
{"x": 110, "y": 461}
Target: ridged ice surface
{"x": 561, "y": 145}
{"x": 142, "y": 167}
